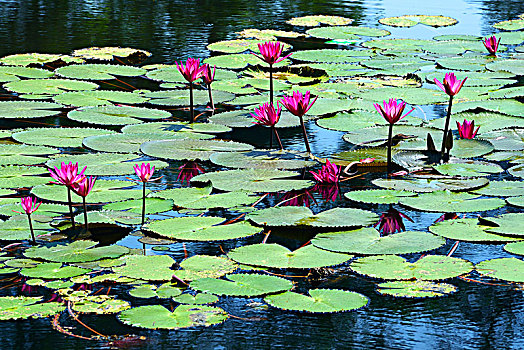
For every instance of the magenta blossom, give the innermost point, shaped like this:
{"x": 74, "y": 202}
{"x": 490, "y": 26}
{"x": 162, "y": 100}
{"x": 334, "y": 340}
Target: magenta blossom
{"x": 298, "y": 104}
{"x": 83, "y": 188}
{"x": 467, "y": 129}
{"x": 271, "y": 52}
{"x": 391, "y": 222}
{"x": 29, "y": 204}
{"x": 188, "y": 171}
{"x": 144, "y": 171}
{"x": 451, "y": 85}
{"x": 67, "y": 174}
{"x": 491, "y": 44}
{"x": 191, "y": 70}
{"x": 366, "y": 160}
{"x": 392, "y": 110}
{"x": 329, "y": 173}
{"x": 267, "y": 115}
{"x": 208, "y": 76}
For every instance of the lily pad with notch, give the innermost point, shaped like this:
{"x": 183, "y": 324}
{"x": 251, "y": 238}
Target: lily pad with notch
{"x": 426, "y": 184}
{"x": 318, "y": 301}
{"x": 57, "y": 137}
{"x": 467, "y": 230}
{"x": 22, "y": 307}
{"x": 116, "y": 115}
{"x": 190, "y": 149}
{"x": 205, "y": 266}
{"x": 262, "y": 159}
{"x": 242, "y": 285}
{"x": 415, "y": 289}
{"x": 99, "y": 98}
{"x": 98, "y": 71}
{"x": 507, "y": 269}
{"x": 28, "y": 109}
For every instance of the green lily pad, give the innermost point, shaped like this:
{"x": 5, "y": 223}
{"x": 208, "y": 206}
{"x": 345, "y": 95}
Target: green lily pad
{"x": 450, "y": 202}
{"x": 204, "y": 266}
{"x": 488, "y": 121}
{"x": 320, "y": 300}
{"x": 506, "y": 224}
{"x": 504, "y": 106}
{"x": 251, "y": 180}
{"x": 238, "y": 45}
{"x": 415, "y": 289}
{"x": 471, "y": 65}
{"x": 507, "y": 269}
{"x": 502, "y": 189}
{"x": 201, "y": 229}
{"x": 512, "y": 24}
{"x": 191, "y": 130}
{"x": 517, "y": 170}
{"x": 26, "y": 59}
{"x": 181, "y": 97}
{"x": 57, "y": 137}
{"x": 100, "y": 305}
{"x": 394, "y": 267}
{"x": 239, "y": 61}
{"x": 190, "y": 149}
{"x": 506, "y": 140}
{"x": 515, "y": 248}
{"x": 148, "y": 268}
{"x": 197, "y": 299}
{"x": 346, "y": 32}
{"x": 16, "y": 228}
{"x": 147, "y": 291}
{"x": 153, "y": 205}
{"x": 98, "y": 98}
{"x": 367, "y": 241}
{"x": 48, "y": 86}
{"x": 302, "y": 216}
{"x": 78, "y": 251}
{"x": 53, "y": 271}
{"x": 13, "y": 74}
{"x": 13, "y": 176}
{"x": 332, "y": 56}
{"x": 107, "y": 217}
{"x": 410, "y": 95}
{"x": 516, "y": 201}
{"x": 267, "y": 34}
{"x": 467, "y": 230}
{"x": 454, "y": 47}
{"x": 13, "y": 154}
{"x": 116, "y": 115}
{"x": 351, "y": 121}
{"x": 109, "y": 53}
{"x": 15, "y": 308}
{"x": 468, "y": 168}
{"x": 261, "y": 159}
{"x": 277, "y": 256}
{"x": 242, "y": 285}
{"x": 184, "y": 316}
{"x": 378, "y": 196}
{"x": 428, "y": 184}
{"x": 28, "y": 109}
{"x": 411, "y": 20}
{"x": 201, "y": 198}
{"x": 316, "y": 20}
{"x": 98, "y": 71}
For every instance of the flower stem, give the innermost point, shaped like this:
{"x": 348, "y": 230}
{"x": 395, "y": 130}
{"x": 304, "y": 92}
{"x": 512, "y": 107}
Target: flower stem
{"x": 85, "y": 213}
{"x": 31, "y": 228}
{"x": 210, "y": 97}
{"x": 278, "y": 138}
{"x": 192, "y": 112}
{"x": 306, "y": 141}
{"x": 390, "y": 142}
{"x": 70, "y": 207}
{"x": 271, "y": 137}
{"x": 271, "y": 84}
{"x": 143, "y": 203}
{"x": 446, "y": 127}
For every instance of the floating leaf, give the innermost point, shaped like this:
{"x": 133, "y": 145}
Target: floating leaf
{"x": 13, "y": 154}
{"x": 502, "y": 189}
{"x": 15, "y": 308}
{"x": 190, "y": 130}
{"x": 148, "y": 268}
{"x": 100, "y": 305}
{"x": 98, "y": 98}
{"x": 98, "y": 71}
{"x": 368, "y": 241}
{"x": 415, "y": 289}
{"x": 13, "y": 74}
{"x": 57, "y": 137}
{"x": 516, "y": 201}
{"x": 378, "y": 196}
{"x": 203, "y": 266}
{"x": 116, "y": 115}
{"x": 26, "y": 59}
{"x": 201, "y": 229}
{"x": 450, "y": 202}
{"x": 504, "y": 106}
{"x": 316, "y": 20}
{"x": 429, "y": 184}
{"x": 48, "y": 86}
{"x": 53, "y": 271}
{"x": 506, "y": 140}
{"x": 467, "y": 230}
{"x": 153, "y": 205}
{"x": 277, "y": 256}
{"x": 332, "y": 56}
{"x": 238, "y": 45}
{"x": 243, "y": 285}
{"x": 197, "y": 299}
{"x": 239, "y": 61}
{"x": 512, "y": 24}
{"x": 394, "y": 267}
{"x": 190, "y": 149}
{"x": 109, "y": 53}
{"x": 351, "y": 121}
{"x": 201, "y": 198}
{"x": 468, "y": 168}
{"x": 346, "y": 32}
{"x": 411, "y": 20}
{"x": 184, "y": 316}
{"x": 320, "y": 300}
{"x": 77, "y": 251}
{"x": 515, "y": 248}
{"x": 506, "y": 224}
{"x": 181, "y": 97}
{"x": 507, "y": 269}
{"x": 13, "y": 176}
{"x": 17, "y": 228}
{"x": 28, "y": 109}
{"x": 261, "y": 159}
{"x": 517, "y": 170}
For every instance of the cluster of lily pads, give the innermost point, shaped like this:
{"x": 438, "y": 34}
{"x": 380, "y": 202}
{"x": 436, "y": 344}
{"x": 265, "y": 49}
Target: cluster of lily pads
{"x": 234, "y": 191}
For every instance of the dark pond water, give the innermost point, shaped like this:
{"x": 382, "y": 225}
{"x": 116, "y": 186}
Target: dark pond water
{"x": 478, "y": 316}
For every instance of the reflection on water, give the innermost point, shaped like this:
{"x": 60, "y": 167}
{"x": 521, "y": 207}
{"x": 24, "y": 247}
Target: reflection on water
{"x": 478, "y": 316}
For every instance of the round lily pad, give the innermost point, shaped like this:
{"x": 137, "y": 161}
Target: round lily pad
{"x": 423, "y": 185}
{"x": 516, "y": 201}
{"x": 98, "y": 98}
{"x": 100, "y": 305}
{"x": 181, "y": 97}
{"x": 116, "y": 115}
{"x": 450, "y": 202}
{"x": 468, "y": 230}
{"x": 13, "y": 154}
{"x": 197, "y": 299}
{"x": 110, "y": 52}
{"x": 394, "y": 267}
{"x": 184, "y": 316}
{"x": 468, "y": 168}
{"x": 201, "y": 229}
{"x": 153, "y": 205}
{"x": 238, "y": 45}
{"x": 16, "y": 228}
{"x": 15, "y": 308}
{"x": 48, "y": 86}
{"x": 148, "y": 268}
{"x": 13, "y": 74}
{"x": 507, "y": 269}
{"x": 53, "y": 271}
{"x": 191, "y": 130}
{"x": 351, "y": 121}
{"x": 98, "y": 71}
{"x": 28, "y": 109}
{"x": 502, "y": 189}
{"x": 320, "y": 300}
{"x": 368, "y": 241}
{"x": 331, "y": 55}
{"x": 302, "y": 216}
{"x": 77, "y": 251}
{"x": 515, "y": 248}
{"x": 512, "y": 24}
{"x": 261, "y": 159}
{"x": 346, "y": 32}
{"x": 411, "y": 20}
{"x": 277, "y": 256}
{"x": 35, "y": 58}
{"x": 316, "y": 20}
{"x": 517, "y": 170}
{"x": 57, "y": 137}
{"x": 506, "y": 224}
{"x": 242, "y": 285}
{"x": 203, "y": 266}
{"x": 378, "y": 196}
{"x": 190, "y": 149}
{"x": 415, "y": 289}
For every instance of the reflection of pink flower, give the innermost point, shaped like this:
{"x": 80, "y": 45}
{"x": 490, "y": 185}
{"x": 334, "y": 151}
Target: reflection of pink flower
{"x": 271, "y": 52}
{"x": 447, "y": 216}
{"x": 329, "y": 173}
{"x": 188, "y": 170}
{"x": 451, "y": 85}
{"x": 297, "y": 198}
{"x": 391, "y": 221}
{"x": 491, "y": 44}
{"x": 329, "y": 192}
{"x": 467, "y": 129}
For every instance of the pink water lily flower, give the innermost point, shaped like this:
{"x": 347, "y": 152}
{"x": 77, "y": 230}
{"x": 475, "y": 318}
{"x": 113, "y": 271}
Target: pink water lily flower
{"x": 271, "y": 52}
{"x": 467, "y": 129}
{"x": 67, "y": 174}
{"x": 298, "y": 104}
{"x": 83, "y": 188}
{"x": 491, "y": 44}
{"x": 191, "y": 70}
{"x": 451, "y": 85}
{"x": 392, "y": 110}
{"x": 144, "y": 171}
{"x": 267, "y": 115}
{"x": 208, "y": 76}
{"x": 366, "y": 160}
{"x": 391, "y": 221}
{"x": 29, "y": 204}
{"x": 329, "y": 173}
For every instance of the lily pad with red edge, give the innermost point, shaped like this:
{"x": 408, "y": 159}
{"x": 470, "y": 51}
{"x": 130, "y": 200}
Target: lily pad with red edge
{"x": 507, "y": 269}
